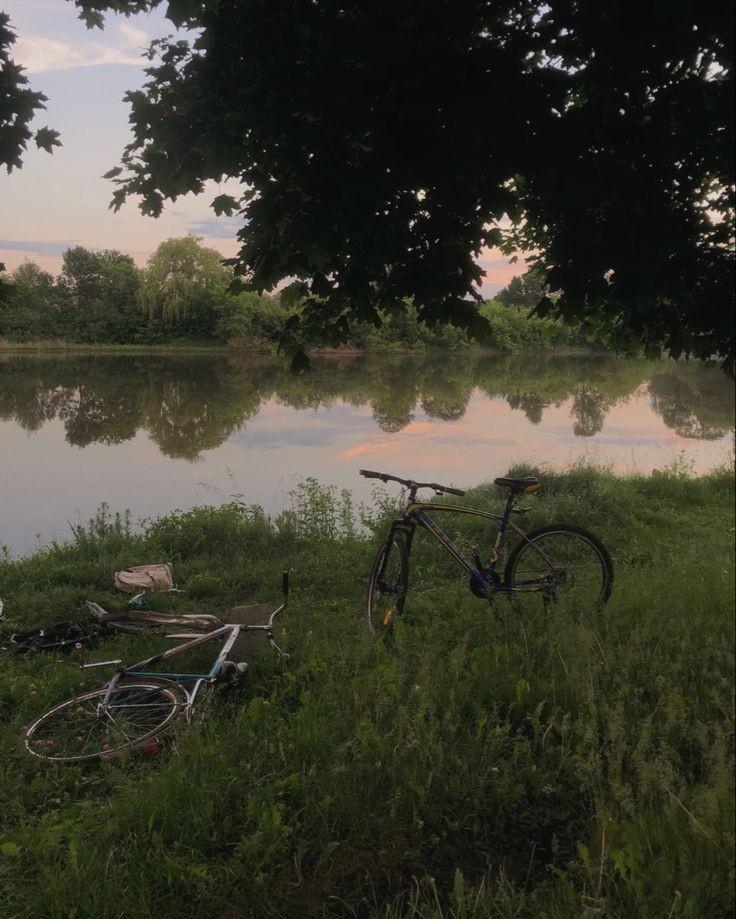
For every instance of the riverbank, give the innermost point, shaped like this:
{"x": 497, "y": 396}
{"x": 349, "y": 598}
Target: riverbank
{"x": 52, "y": 346}
{"x": 258, "y": 323}
{"x": 268, "y": 350}
{"x": 487, "y": 764}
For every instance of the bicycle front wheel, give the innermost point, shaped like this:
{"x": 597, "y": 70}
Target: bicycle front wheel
{"x": 387, "y": 586}
{"x": 566, "y": 564}
{"x": 87, "y": 727}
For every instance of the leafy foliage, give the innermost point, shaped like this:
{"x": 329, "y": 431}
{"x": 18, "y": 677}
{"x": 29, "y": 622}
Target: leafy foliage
{"x": 179, "y": 273}
{"x": 102, "y": 297}
{"x": 185, "y": 293}
{"x": 376, "y": 170}
{"x": 18, "y": 105}
{"x": 524, "y": 290}
{"x": 97, "y": 295}
{"x": 5, "y": 287}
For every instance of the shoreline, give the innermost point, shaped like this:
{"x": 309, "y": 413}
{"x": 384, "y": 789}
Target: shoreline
{"x": 550, "y": 477}
{"x": 65, "y": 347}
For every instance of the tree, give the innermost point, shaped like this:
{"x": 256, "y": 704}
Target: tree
{"x": 524, "y": 290}
{"x": 250, "y": 317}
{"x": 381, "y": 144}
{"x": 101, "y": 291}
{"x": 589, "y": 409}
{"x": 18, "y": 105}
{"x": 179, "y": 275}
{"x": 5, "y": 287}
{"x": 81, "y": 275}
{"x": 30, "y": 309}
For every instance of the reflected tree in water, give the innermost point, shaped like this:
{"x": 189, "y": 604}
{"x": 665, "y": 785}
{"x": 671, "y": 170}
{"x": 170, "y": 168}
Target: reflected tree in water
{"x": 694, "y": 401}
{"x": 531, "y": 403}
{"x": 589, "y": 409}
{"x": 188, "y": 404}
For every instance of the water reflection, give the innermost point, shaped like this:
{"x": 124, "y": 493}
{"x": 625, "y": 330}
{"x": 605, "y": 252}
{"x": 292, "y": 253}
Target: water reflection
{"x": 188, "y": 404}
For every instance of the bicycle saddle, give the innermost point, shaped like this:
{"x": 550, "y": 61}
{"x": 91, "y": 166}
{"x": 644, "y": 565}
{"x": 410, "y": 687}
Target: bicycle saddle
{"x": 519, "y": 486}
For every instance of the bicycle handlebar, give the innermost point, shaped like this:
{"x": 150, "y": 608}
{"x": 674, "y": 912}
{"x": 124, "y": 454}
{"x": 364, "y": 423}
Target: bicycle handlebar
{"x": 409, "y": 483}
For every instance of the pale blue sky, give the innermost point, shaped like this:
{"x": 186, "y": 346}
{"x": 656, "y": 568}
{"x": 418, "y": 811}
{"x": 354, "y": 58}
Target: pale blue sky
{"x": 60, "y": 200}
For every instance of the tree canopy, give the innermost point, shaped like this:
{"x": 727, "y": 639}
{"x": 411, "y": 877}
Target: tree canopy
{"x": 178, "y": 272}
{"x": 524, "y": 290}
{"x": 381, "y": 146}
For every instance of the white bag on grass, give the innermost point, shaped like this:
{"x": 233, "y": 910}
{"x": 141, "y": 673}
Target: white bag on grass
{"x": 144, "y": 577}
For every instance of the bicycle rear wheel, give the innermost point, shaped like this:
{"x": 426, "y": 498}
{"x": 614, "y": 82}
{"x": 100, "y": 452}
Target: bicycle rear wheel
{"x": 387, "y": 586}
{"x": 137, "y": 712}
{"x": 566, "y": 564}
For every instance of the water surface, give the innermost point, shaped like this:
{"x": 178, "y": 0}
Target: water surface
{"x": 155, "y": 432}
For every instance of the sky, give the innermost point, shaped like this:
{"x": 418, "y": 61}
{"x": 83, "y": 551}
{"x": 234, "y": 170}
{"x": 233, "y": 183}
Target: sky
{"x": 62, "y": 200}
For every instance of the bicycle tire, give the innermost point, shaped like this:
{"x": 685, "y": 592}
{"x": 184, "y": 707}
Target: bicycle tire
{"x": 106, "y": 737}
{"x": 378, "y": 614}
{"x": 524, "y": 561}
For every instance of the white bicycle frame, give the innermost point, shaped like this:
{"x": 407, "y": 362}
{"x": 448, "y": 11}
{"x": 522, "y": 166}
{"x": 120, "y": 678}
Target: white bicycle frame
{"x": 230, "y": 632}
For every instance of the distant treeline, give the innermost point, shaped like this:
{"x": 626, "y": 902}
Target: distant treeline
{"x": 182, "y": 295}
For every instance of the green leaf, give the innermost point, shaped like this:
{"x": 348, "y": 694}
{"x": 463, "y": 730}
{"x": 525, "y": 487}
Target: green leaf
{"x": 47, "y": 139}
{"x": 293, "y": 293}
{"x": 459, "y": 888}
{"x": 112, "y": 173}
{"x": 11, "y": 849}
{"x": 237, "y": 285}
{"x": 183, "y": 11}
{"x": 92, "y": 19}
{"x": 118, "y": 199}
{"x": 224, "y": 204}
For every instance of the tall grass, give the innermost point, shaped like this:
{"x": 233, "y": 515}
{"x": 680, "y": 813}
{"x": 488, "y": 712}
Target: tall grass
{"x": 489, "y": 763}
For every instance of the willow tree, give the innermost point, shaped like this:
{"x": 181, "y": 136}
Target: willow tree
{"x": 178, "y": 274}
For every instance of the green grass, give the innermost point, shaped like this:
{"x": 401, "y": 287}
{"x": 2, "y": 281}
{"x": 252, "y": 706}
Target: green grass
{"x": 487, "y": 764}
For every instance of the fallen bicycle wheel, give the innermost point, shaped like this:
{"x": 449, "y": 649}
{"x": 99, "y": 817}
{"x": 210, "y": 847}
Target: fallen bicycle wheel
{"x": 136, "y": 713}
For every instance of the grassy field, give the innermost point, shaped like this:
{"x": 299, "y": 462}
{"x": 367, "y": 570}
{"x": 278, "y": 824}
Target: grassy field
{"x": 489, "y": 763}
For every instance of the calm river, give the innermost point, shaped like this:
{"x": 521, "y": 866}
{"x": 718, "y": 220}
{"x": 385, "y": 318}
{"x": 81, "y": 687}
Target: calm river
{"x": 151, "y": 433}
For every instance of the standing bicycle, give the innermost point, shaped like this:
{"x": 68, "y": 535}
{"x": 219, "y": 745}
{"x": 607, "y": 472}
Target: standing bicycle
{"x": 561, "y": 562}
